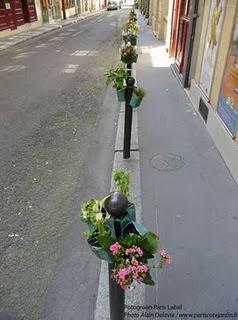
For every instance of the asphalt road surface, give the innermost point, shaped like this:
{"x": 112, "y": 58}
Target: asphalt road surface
{"x": 56, "y": 150}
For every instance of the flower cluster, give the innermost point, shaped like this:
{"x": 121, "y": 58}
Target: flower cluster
{"x": 114, "y": 248}
{"x": 128, "y": 53}
{"x": 129, "y": 266}
{"x": 165, "y": 257}
{"x": 134, "y": 250}
{"x": 133, "y": 16}
{"x": 129, "y": 36}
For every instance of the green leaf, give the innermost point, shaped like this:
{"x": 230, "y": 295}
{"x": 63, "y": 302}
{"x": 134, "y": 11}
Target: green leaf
{"x": 149, "y": 243}
{"x": 105, "y": 241}
{"x": 86, "y": 233}
{"x": 148, "y": 280}
{"x": 131, "y": 210}
{"x": 148, "y": 255}
{"x": 130, "y": 240}
{"x": 116, "y": 76}
{"x": 121, "y": 178}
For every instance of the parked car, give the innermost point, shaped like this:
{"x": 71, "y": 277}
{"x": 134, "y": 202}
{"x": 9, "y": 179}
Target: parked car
{"x": 112, "y": 5}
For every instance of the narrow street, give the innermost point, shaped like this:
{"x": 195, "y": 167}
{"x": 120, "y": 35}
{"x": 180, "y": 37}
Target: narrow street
{"x": 56, "y": 150}
{"x": 63, "y": 133}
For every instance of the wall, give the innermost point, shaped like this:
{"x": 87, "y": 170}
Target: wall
{"x": 70, "y": 12}
{"x": 159, "y": 18}
{"x": 38, "y": 11}
{"x": 227, "y": 146}
{"x": 162, "y": 19}
{"x": 199, "y": 24}
{"x": 154, "y": 15}
{"x": 169, "y": 25}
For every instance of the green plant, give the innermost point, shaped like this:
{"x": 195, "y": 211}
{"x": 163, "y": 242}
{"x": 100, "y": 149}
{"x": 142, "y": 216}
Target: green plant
{"x": 139, "y": 91}
{"x": 116, "y": 76}
{"x": 132, "y": 26}
{"x": 122, "y": 180}
{"x": 94, "y": 215}
{"x": 129, "y": 37}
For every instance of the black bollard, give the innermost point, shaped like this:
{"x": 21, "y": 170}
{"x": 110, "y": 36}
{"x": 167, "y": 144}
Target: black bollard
{"x": 116, "y": 298}
{"x": 129, "y": 66}
{"x": 128, "y": 118}
{"x": 116, "y": 205}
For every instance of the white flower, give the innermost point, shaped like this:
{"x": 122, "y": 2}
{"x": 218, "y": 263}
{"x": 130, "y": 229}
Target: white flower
{"x": 98, "y": 216}
{"x": 128, "y": 44}
{"x": 131, "y": 32}
{"x": 84, "y": 214}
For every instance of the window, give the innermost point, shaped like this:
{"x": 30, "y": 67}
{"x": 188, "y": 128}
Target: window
{"x": 69, "y": 4}
{"x": 2, "y": 4}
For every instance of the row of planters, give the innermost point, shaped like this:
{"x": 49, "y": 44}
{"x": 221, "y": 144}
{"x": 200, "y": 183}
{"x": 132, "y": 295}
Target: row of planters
{"x": 113, "y": 233}
{"x": 117, "y": 76}
{"x": 130, "y": 251}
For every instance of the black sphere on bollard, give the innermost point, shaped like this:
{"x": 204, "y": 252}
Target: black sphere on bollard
{"x": 130, "y": 81}
{"x": 116, "y": 204}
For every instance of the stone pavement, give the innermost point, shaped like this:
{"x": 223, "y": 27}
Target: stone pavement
{"x": 12, "y": 40}
{"x": 188, "y": 194}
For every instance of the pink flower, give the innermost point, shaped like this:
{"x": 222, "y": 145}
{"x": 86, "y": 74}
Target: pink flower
{"x": 165, "y": 257}
{"x": 128, "y": 251}
{"x": 123, "y": 272}
{"x": 140, "y": 252}
{"x": 126, "y": 275}
{"x": 134, "y": 249}
{"x": 164, "y": 253}
{"x": 114, "y": 248}
{"x": 142, "y": 268}
{"x": 168, "y": 260}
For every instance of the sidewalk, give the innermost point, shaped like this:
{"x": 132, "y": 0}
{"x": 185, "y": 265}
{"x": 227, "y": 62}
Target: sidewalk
{"x": 188, "y": 194}
{"x": 12, "y": 40}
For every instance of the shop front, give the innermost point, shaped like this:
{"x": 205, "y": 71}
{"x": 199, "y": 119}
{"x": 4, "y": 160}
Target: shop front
{"x": 227, "y": 108}
{"x": 180, "y": 31}
{"x": 14, "y": 13}
{"x": 214, "y": 88}
{"x": 185, "y": 30}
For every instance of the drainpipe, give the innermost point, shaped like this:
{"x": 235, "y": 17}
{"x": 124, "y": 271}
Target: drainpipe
{"x": 63, "y": 9}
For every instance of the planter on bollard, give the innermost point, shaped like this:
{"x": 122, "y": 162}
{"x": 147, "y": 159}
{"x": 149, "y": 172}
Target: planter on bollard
{"x": 116, "y": 205}
{"x": 130, "y": 81}
{"x": 114, "y": 236}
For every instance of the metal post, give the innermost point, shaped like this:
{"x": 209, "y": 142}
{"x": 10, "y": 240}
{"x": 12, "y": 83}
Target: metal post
{"x": 116, "y": 205}
{"x": 128, "y": 118}
{"x": 129, "y": 66}
{"x": 63, "y": 9}
{"x": 116, "y": 298}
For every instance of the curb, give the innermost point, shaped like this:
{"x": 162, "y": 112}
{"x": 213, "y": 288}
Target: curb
{"x": 133, "y": 297}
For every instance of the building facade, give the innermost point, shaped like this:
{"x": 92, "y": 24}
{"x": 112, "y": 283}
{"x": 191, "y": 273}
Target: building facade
{"x": 159, "y": 18}
{"x": 214, "y": 87}
{"x": 21, "y": 15}
{"x": 76, "y": 7}
{"x": 14, "y": 14}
